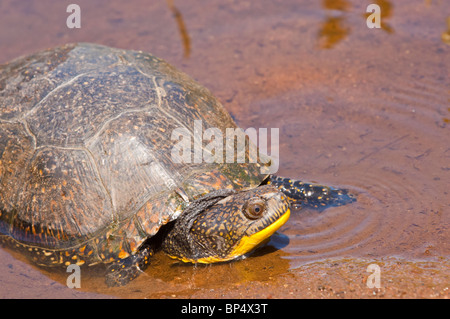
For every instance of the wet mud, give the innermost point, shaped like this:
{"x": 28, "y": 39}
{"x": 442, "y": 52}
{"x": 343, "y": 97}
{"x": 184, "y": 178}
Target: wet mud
{"x": 365, "y": 109}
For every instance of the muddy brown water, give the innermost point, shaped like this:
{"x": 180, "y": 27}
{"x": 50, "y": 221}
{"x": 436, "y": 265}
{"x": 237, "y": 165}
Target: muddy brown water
{"x": 366, "y": 109}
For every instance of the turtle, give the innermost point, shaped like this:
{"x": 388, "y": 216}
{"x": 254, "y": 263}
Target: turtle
{"x": 88, "y": 172}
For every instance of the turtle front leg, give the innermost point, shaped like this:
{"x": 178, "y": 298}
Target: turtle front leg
{"x": 311, "y": 195}
{"x": 122, "y": 271}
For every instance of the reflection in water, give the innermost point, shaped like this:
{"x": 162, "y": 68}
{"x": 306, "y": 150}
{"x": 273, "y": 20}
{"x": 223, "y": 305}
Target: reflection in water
{"x": 340, "y": 5}
{"x": 166, "y": 277}
{"x": 333, "y": 30}
{"x": 185, "y": 39}
{"x": 260, "y": 267}
{"x": 446, "y": 35}
{"x": 447, "y": 120}
{"x": 386, "y": 12}
{"x": 266, "y": 262}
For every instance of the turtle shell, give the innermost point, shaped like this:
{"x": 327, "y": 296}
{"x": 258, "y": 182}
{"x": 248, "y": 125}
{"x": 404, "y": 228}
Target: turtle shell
{"x": 86, "y": 141}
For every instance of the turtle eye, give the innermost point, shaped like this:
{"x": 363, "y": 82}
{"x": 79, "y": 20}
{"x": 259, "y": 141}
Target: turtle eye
{"x": 254, "y": 208}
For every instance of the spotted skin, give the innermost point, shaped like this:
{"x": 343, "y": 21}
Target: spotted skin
{"x": 311, "y": 195}
{"x": 210, "y": 233}
{"x": 51, "y": 257}
{"x": 122, "y": 271}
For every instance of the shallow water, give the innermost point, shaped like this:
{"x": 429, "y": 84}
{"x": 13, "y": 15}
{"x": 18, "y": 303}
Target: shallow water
{"x": 366, "y": 109}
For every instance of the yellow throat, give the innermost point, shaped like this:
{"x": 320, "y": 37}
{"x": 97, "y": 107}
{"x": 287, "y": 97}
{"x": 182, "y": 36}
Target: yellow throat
{"x": 246, "y": 244}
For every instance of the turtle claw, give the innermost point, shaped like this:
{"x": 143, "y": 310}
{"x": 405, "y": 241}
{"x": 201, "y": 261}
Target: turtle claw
{"x": 122, "y": 271}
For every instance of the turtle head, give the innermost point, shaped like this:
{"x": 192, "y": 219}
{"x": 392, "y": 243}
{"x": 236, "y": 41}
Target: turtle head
{"x": 224, "y": 226}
